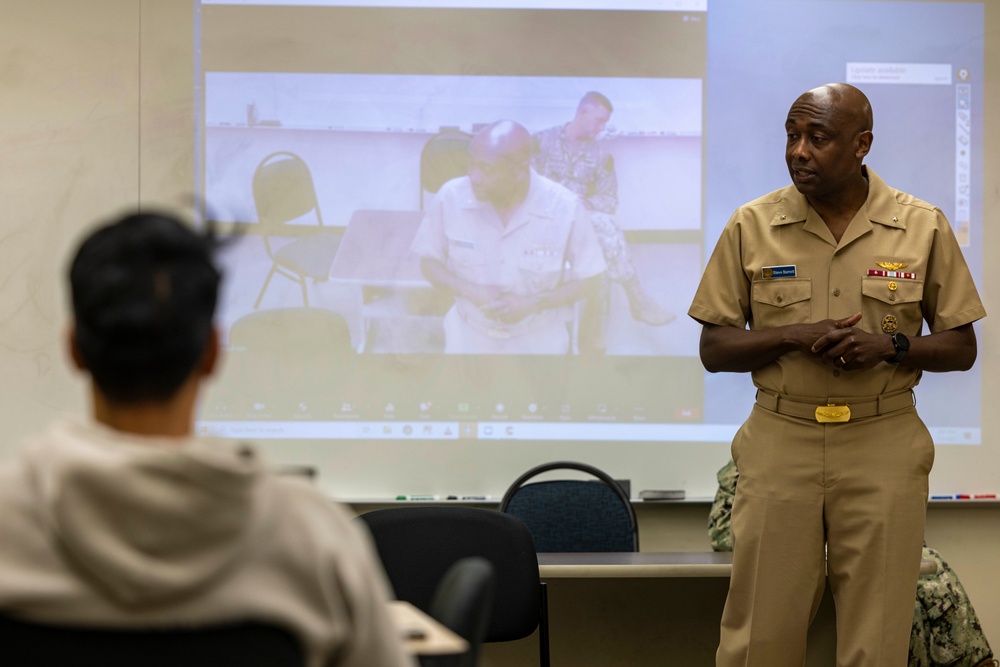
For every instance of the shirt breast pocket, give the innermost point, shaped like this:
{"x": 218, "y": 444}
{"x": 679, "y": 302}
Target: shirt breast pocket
{"x": 780, "y": 302}
{"x": 540, "y": 272}
{"x": 891, "y": 305}
{"x": 466, "y": 261}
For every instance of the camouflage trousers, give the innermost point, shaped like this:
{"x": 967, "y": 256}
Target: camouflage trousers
{"x": 945, "y": 629}
{"x": 621, "y": 269}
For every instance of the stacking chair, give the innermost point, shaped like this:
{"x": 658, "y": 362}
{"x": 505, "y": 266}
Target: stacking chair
{"x": 445, "y": 156}
{"x": 283, "y": 192}
{"x": 573, "y": 515}
{"x": 417, "y": 545}
{"x": 462, "y": 602}
{"x": 31, "y": 644}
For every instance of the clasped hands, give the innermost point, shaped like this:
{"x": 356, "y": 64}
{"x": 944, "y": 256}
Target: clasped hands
{"x": 503, "y": 306}
{"x": 840, "y": 343}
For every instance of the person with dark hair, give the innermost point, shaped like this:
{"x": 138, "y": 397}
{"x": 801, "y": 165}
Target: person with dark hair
{"x": 128, "y": 520}
{"x": 821, "y": 290}
{"x": 515, "y": 249}
{"x": 945, "y": 631}
{"x": 572, "y": 155}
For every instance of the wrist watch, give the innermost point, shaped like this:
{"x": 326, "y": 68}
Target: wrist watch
{"x": 902, "y": 345}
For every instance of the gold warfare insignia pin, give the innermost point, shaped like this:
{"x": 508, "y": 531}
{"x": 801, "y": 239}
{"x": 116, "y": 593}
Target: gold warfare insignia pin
{"x": 892, "y": 266}
{"x": 889, "y": 324}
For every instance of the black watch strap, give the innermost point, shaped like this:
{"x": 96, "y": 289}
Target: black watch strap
{"x": 902, "y": 345}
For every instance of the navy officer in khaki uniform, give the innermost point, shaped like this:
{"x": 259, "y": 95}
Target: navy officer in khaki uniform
{"x": 516, "y": 249}
{"x": 821, "y": 291}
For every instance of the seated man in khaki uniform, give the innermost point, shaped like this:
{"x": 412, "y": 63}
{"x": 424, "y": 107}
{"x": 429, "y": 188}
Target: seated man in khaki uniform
{"x": 125, "y": 519}
{"x": 516, "y": 249}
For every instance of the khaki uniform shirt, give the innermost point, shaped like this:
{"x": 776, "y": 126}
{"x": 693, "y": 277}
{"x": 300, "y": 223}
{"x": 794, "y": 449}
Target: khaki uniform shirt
{"x": 777, "y": 263}
{"x": 549, "y": 241}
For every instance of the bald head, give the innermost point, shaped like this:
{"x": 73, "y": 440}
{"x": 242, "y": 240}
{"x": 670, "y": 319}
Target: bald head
{"x": 500, "y": 163}
{"x": 503, "y": 140}
{"x": 848, "y": 106}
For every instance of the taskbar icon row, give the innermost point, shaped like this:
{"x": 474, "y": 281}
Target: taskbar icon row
{"x": 459, "y": 430}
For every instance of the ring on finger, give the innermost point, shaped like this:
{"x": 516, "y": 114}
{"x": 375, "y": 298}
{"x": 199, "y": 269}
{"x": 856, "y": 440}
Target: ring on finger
{"x": 842, "y": 362}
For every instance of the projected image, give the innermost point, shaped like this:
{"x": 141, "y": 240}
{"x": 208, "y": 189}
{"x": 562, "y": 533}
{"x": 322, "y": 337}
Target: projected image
{"x": 356, "y": 117}
{"x": 377, "y": 149}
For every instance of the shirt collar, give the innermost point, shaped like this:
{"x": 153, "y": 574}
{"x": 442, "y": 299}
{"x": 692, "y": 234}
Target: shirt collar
{"x": 881, "y": 204}
{"x": 533, "y": 206}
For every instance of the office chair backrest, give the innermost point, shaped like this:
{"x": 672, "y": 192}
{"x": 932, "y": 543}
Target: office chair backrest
{"x": 29, "y": 644}
{"x": 417, "y": 545}
{"x": 283, "y": 189}
{"x": 462, "y": 602}
{"x": 445, "y": 156}
{"x": 573, "y": 515}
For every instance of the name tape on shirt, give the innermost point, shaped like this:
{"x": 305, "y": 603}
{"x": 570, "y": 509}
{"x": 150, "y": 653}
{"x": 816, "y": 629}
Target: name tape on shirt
{"x": 785, "y": 271}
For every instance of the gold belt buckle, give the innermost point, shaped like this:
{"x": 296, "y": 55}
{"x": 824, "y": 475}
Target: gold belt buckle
{"x": 826, "y": 414}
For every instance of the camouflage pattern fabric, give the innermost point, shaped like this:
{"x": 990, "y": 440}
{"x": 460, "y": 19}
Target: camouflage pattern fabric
{"x": 586, "y": 169}
{"x": 582, "y": 166}
{"x": 720, "y": 530}
{"x": 946, "y": 631}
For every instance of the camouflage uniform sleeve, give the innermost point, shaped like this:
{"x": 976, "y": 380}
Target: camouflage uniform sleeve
{"x": 603, "y": 195}
{"x": 953, "y": 635}
{"x": 720, "y": 533}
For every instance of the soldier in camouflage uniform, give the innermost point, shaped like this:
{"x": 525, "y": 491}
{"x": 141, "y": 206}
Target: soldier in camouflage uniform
{"x": 946, "y": 631}
{"x": 571, "y": 155}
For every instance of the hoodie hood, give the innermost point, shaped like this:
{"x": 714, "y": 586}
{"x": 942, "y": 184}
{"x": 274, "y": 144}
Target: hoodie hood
{"x": 147, "y": 519}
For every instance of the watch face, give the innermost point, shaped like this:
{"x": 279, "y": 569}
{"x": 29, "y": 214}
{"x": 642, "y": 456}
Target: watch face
{"x": 901, "y": 342}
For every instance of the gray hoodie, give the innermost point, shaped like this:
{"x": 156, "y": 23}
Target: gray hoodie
{"x": 99, "y": 527}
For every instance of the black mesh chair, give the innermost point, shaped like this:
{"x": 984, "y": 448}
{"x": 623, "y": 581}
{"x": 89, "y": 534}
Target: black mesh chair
{"x": 30, "y": 644}
{"x": 417, "y": 545}
{"x": 283, "y": 192}
{"x": 445, "y": 156}
{"x": 573, "y": 515}
{"x": 462, "y": 602}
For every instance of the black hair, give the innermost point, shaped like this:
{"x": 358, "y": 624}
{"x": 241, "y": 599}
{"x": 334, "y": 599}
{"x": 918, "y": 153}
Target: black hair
{"x": 144, "y": 289}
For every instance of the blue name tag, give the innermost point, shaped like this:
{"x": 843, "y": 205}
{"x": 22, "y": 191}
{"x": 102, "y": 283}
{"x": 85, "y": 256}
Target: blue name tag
{"x": 787, "y": 271}
{"x": 461, "y": 243}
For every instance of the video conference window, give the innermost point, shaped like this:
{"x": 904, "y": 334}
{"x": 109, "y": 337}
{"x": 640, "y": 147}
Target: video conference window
{"x": 326, "y": 132}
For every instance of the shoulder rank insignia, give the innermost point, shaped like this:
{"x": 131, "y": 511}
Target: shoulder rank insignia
{"x": 892, "y": 266}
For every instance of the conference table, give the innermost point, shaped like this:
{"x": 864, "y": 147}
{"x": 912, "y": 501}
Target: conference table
{"x": 644, "y": 565}
{"x": 635, "y": 565}
{"x": 643, "y": 609}
{"x": 374, "y": 260}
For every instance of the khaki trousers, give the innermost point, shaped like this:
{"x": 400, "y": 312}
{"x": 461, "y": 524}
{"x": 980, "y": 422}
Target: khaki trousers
{"x": 860, "y": 489}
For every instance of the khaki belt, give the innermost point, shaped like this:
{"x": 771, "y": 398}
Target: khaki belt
{"x": 836, "y": 409}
